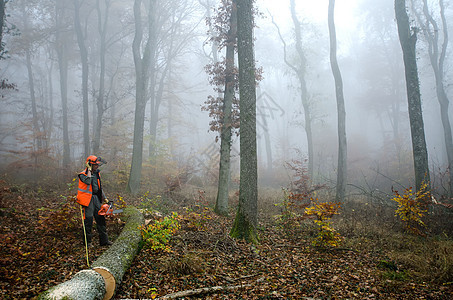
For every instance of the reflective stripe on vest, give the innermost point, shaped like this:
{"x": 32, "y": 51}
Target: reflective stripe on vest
{"x": 87, "y": 190}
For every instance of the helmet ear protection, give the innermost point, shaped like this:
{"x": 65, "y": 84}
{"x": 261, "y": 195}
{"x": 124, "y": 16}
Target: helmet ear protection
{"x": 100, "y": 161}
{"x": 94, "y": 160}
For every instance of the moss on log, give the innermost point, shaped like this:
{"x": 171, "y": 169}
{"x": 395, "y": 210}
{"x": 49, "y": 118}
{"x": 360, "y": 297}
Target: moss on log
{"x": 108, "y": 269}
{"x": 118, "y": 258}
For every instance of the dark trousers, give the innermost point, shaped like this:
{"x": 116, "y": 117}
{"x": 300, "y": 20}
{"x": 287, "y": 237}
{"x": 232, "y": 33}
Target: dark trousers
{"x": 91, "y": 212}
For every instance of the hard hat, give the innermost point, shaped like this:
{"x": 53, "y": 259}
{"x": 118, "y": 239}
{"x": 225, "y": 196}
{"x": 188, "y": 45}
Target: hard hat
{"x": 95, "y": 160}
{"x": 92, "y": 160}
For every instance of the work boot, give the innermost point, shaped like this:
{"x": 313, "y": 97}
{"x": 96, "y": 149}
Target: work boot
{"x": 108, "y": 243}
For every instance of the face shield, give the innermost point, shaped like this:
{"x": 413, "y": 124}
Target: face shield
{"x": 100, "y": 161}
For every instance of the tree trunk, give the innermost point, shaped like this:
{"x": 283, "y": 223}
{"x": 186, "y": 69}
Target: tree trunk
{"x": 300, "y": 71}
{"x": 408, "y": 39}
{"x": 265, "y": 126}
{"x": 156, "y": 100}
{"x": 50, "y": 112}
{"x": 244, "y": 226}
{"x": 443, "y": 97}
{"x": 31, "y": 86}
{"x": 437, "y": 58}
{"x": 100, "y": 101}
{"x": 221, "y": 206}
{"x": 2, "y": 22}
{"x": 37, "y": 137}
{"x": 108, "y": 270}
{"x": 84, "y": 60}
{"x": 142, "y": 65}
{"x": 61, "y": 47}
{"x": 341, "y": 111}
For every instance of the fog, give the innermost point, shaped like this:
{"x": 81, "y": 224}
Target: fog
{"x": 370, "y": 60}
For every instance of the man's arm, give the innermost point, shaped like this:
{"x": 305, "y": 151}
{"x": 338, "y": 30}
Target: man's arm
{"x": 85, "y": 178}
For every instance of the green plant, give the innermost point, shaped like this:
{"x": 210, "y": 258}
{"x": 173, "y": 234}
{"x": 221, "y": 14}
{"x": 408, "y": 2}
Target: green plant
{"x": 71, "y": 185}
{"x": 412, "y": 208}
{"x": 157, "y": 235}
{"x": 149, "y": 203}
{"x": 396, "y": 275}
{"x": 324, "y": 211}
{"x": 121, "y": 203}
{"x": 197, "y": 217}
{"x": 289, "y": 219}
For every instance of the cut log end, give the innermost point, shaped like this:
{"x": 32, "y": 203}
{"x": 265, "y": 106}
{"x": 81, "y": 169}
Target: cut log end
{"x": 110, "y": 284}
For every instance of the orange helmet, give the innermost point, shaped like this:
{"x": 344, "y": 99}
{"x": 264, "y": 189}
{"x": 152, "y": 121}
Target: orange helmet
{"x": 92, "y": 160}
{"x": 95, "y": 160}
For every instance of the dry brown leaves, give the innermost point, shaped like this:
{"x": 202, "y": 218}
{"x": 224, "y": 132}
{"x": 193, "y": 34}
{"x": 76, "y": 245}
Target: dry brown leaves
{"x": 33, "y": 259}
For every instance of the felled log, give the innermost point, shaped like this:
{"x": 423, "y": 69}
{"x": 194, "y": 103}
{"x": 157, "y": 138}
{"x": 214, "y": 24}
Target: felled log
{"x": 107, "y": 271}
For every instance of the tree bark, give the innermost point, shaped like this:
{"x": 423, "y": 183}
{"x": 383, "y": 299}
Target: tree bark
{"x": 431, "y": 32}
{"x": 221, "y": 206}
{"x": 2, "y": 23}
{"x": 408, "y": 40}
{"x": 244, "y": 226}
{"x": 84, "y": 60}
{"x": 108, "y": 270}
{"x": 142, "y": 65}
{"x": 300, "y": 71}
{"x": 101, "y": 99}
{"x": 37, "y": 138}
{"x": 61, "y": 47}
{"x": 341, "y": 111}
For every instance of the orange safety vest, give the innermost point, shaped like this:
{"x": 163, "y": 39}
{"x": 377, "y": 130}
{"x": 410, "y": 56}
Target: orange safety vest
{"x": 85, "y": 191}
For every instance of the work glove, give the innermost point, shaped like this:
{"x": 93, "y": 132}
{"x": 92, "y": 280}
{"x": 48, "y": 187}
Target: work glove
{"x": 88, "y": 166}
{"x": 105, "y": 201}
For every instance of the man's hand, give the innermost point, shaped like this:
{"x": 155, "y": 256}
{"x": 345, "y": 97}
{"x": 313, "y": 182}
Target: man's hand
{"x": 88, "y": 166}
{"x": 106, "y": 201}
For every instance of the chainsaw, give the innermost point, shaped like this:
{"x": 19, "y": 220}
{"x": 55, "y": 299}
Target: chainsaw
{"x": 107, "y": 210}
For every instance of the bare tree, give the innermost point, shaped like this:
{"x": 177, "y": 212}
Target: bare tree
{"x": 61, "y": 45}
{"x": 437, "y": 54}
{"x": 170, "y": 38}
{"x": 103, "y": 17}
{"x": 341, "y": 111}
{"x": 408, "y": 40}
{"x": 300, "y": 71}
{"x": 84, "y": 60}
{"x": 142, "y": 74}
{"x": 31, "y": 82}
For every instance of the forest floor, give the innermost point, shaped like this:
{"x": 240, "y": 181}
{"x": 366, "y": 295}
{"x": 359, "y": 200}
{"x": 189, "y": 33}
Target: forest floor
{"x": 41, "y": 245}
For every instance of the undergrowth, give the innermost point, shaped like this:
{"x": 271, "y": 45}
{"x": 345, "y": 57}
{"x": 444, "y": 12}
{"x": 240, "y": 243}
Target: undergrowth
{"x": 427, "y": 259}
{"x": 157, "y": 235}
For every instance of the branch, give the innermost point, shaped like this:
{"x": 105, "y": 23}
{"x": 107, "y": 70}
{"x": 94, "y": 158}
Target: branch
{"x": 284, "y": 46}
{"x": 206, "y": 290}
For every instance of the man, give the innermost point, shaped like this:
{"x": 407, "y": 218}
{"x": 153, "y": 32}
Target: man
{"x": 91, "y": 196}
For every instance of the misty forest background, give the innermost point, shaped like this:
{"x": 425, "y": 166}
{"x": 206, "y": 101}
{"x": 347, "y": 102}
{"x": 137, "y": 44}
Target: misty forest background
{"x": 348, "y": 125}
{"x": 135, "y": 84}
{"x": 72, "y": 67}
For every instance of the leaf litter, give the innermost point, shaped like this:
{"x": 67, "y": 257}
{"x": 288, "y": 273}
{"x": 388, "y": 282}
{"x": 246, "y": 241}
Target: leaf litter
{"x": 34, "y": 258}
